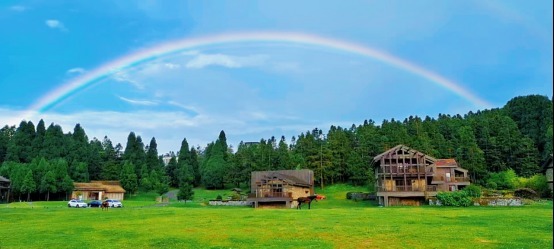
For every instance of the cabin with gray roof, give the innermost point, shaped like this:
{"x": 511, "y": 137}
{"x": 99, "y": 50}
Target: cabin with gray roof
{"x": 279, "y": 188}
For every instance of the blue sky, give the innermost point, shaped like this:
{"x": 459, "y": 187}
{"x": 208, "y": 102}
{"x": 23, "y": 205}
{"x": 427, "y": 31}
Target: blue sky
{"x": 495, "y": 50}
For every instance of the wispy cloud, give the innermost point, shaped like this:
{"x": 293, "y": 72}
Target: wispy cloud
{"x": 204, "y": 60}
{"x": 76, "y": 70}
{"x": 188, "y": 108}
{"x": 139, "y": 102}
{"x": 55, "y": 24}
{"x": 172, "y": 65}
{"x": 18, "y": 8}
{"x": 123, "y": 76}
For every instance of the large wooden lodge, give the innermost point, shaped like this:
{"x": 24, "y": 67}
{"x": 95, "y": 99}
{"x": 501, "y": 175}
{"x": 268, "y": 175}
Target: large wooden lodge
{"x": 405, "y": 176}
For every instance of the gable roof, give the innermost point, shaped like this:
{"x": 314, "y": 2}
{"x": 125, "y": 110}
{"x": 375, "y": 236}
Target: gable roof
{"x": 4, "y": 179}
{"x": 106, "y": 186}
{"x": 290, "y": 179}
{"x": 303, "y": 178}
{"x": 406, "y": 149}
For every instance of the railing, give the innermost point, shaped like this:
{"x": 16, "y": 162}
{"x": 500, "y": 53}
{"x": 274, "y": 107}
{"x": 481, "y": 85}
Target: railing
{"x": 270, "y": 195}
{"x": 408, "y": 188}
{"x": 408, "y": 169}
{"x": 461, "y": 179}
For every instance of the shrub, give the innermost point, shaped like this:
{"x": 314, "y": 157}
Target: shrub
{"x": 235, "y": 197}
{"x": 219, "y": 198}
{"x": 504, "y": 180}
{"x": 539, "y": 183}
{"x": 491, "y": 185}
{"x": 456, "y": 199}
{"x": 473, "y": 191}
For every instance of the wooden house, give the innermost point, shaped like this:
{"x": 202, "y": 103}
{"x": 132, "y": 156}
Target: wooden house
{"x": 98, "y": 190}
{"x": 547, "y": 170}
{"x": 405, "y": 176}
{"x": 5, "y": 185}
{"x": 280, "y": 188}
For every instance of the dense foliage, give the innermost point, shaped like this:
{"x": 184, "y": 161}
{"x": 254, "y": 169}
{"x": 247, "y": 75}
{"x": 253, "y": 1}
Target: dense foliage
{"x": 496, "y": 146}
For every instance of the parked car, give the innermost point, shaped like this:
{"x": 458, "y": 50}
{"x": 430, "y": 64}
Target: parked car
{"x": 114, "y": 203}
{"x": 77, "y": 203}
{"x": 95, "y": 203}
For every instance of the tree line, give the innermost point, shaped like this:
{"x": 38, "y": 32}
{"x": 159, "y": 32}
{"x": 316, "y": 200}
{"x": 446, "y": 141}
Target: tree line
{"x": 43, "y": 161}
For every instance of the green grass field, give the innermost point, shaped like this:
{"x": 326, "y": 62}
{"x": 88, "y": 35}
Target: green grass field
{"x": 331, "y": 223}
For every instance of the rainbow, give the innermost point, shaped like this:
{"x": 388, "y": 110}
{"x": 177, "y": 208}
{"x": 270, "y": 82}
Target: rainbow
{"x": 172, "y": 47}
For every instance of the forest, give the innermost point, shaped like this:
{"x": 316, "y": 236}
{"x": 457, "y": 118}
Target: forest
{"x": 43, "y": 162}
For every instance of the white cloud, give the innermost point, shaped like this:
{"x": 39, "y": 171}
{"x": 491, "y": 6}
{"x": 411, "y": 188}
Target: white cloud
{"x": 123, "y": 76}
{"x": 187, "y": 108}
{"x": 55, "y": 24}
{"x": 76, "y": 70}
{"x": 18, "y": 8}
{"x": 204, "y": 60}
{"x": 172, "y": 65}
{"x": 138, "y": 102}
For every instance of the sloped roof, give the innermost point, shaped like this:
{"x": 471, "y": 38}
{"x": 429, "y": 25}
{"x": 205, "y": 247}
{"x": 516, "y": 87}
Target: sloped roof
{"x": 451, "y": 162}
{"x": 284, "y": 177}
{"x": 106, "y": 186}
{"x": 303, "y": 177}
{"x": 4, "y": 179}
{"x": 405, "y": 148}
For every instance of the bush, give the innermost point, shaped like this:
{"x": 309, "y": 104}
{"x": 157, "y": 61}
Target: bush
{"x": 473, "y": 191}
{"x": 539, "y": 183}
{"x": 456, "y": 199}
{"x": 491, "y": 185}
{"x": 504, "y": 180}
{"x": 235, "y": 197}
{"x": 219, "y": 198}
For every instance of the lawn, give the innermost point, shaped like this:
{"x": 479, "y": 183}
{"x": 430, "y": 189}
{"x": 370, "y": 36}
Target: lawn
{"x": 331, "y": 223}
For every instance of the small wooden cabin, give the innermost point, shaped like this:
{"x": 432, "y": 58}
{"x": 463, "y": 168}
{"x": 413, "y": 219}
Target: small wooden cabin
{"x": 281, "y": 187}
{"x": 98, "y": 190}
{"x": 404, "y": 176}
{"x": 5, "y": 186}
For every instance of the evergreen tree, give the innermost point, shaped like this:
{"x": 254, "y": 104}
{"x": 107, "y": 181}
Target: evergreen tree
{"x": 80, "y": 172}
{"x": 28, "y": 185}
{"x": 6, "y": 134}
{"x": 128, "y": 177}
{"x": 48, "y": 184}
{"x": 185, "y": 192}
{"x": 20, "y": 148}
{"x": 152, "y": 160}
{"x": 67, "y": 185}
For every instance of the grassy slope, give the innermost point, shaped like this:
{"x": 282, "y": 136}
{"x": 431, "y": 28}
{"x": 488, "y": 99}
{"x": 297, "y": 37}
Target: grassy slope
{"x": 332, "y": 223}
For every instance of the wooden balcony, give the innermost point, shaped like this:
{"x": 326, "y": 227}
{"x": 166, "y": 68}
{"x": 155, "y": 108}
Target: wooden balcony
{"x": 271, "y": 195}
{"x": 430, "y": 188}
{"x": 404, "y": 169}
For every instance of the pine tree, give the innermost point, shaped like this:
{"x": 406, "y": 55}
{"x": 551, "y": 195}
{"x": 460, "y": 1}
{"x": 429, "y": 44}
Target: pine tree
{"x": 128, "y": 177}
{"x": 185, "y": 192}
{"x": 48, "y": 184}
{"x": 28, "y": 185}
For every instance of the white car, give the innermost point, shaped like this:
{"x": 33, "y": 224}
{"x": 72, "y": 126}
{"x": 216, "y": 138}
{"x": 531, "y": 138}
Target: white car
{"x": 77, "y": 204}
{"x": 114, "y": 203}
